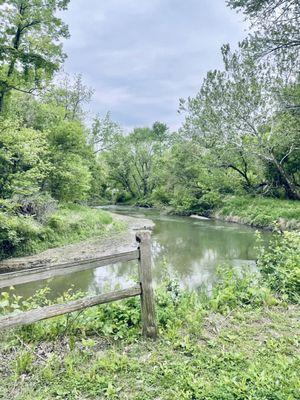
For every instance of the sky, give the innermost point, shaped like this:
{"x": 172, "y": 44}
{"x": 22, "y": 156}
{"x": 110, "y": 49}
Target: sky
{"x": 141, "y": 56}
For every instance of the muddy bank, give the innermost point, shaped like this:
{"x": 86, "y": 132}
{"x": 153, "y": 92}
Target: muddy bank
{"x": 91, "y": 248}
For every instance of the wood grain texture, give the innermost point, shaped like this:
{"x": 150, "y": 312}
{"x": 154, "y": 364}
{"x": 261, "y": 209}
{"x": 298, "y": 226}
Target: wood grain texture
{"x": 28, "y": 317}
{"x": 47, "y": 272}
{"x": 147, "y": 296}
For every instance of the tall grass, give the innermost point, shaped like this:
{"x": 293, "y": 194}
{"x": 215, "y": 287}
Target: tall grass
{"x": 261, "y": 212}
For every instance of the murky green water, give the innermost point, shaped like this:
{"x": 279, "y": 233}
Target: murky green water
{"x": 191, "y": 248}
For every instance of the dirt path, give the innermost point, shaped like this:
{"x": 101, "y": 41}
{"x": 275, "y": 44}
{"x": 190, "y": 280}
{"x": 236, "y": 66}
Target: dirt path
{"x": 90, "y": 248}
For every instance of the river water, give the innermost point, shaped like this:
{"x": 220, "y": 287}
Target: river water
{"x": 191, "y": 249}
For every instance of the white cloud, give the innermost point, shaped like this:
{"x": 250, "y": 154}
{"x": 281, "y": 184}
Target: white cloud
{"x": 141, "y": 56}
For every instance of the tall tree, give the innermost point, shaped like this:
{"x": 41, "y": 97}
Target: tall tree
{"x": 71, "y": 94}
{"x": 30, "y": 47}
{"x": 105, "y": 133}
{"x": 275, "y": 26}
{"x": 236, "y": 110}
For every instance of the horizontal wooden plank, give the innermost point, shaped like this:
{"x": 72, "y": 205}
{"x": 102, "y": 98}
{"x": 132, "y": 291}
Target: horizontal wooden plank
{"x": 47, "y": 272}
{"x": 29, "y": 317}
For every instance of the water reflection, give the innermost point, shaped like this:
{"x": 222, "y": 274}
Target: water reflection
{"x": 191, "y": 248}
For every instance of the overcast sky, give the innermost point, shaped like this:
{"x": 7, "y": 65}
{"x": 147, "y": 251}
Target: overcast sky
{"x": 141, "y": 56}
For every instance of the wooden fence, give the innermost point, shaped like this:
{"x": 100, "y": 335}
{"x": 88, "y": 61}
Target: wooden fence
{"x": 143, "y": 288}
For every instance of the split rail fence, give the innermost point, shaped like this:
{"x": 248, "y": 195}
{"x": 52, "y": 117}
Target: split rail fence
{"x": 143, "y": 288}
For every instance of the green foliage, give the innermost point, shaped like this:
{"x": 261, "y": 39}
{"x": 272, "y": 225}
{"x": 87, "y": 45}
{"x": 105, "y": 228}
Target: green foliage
{"x": 233, "y": 114}
{"x": 70, "y": 95}
{"x": 70, "y": 179}
{"x": 23, "y": 234}
{"x": 131, "y": 159}
{"x": 238, "y": 343}
{"x": 24, "y": 363}
{"x": 280, "y": 265}
{"x": 30, "y": 45}
{"x": 261, "y": 212}
{"x": 276, "y": 29}
{"x": 23, "y": 159}
{"x": 239, "y": 288}
{"x": 51, "y": 155}
{"x": 17, "y": 234}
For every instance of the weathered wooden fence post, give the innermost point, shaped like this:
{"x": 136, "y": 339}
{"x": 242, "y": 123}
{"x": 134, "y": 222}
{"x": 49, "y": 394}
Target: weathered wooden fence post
{"x": 145, "y": 275}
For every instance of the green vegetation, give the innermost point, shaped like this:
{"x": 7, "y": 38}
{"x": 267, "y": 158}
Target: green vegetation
{"x": 24, "y": 234}
{"x": 241, "y": 342}
{"x": 240, "y": 137}
{"x": 237, "y": 156}
{"x": 261, "y": 212}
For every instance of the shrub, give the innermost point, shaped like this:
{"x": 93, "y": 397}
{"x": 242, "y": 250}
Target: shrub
{"x": 279, "y": 264}
{"x": 239, "y": 288}
{"x": 17, "y": 234}
{"x": 40, "y": 206}
{"x": 211, "y": 200}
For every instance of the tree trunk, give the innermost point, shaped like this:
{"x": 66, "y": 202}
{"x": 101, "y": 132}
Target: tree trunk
{"x": 1, "y": 101}
{"x": 242, "y": 173}
{"x": 16, "y": 44}
{"x": 289, "y": 187}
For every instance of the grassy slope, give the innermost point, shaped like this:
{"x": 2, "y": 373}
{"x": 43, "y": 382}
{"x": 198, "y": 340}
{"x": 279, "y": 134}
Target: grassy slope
{"x": 250, "y": 354}
{"x": 261, "y": 212}
{"x": 70, "y": 224}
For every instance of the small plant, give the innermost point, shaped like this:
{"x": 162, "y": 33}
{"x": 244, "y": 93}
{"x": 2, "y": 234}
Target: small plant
{"x": 279, "y": 264}
{"x": 239, "y": 288}
{"x": 24, "y": 363}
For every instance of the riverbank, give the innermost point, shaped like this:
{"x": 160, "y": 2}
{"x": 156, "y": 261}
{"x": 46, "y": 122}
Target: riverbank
{"x": 244, "y": 354}
{"x": 24, "y": 235}
{"x": 100, "y": 234}
{"x": 260, "y": 212}
{"x": 240, "y": 342}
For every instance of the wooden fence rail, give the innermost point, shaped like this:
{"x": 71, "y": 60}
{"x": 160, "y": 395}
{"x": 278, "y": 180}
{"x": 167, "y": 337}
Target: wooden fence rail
{"x": 143, "y": 289}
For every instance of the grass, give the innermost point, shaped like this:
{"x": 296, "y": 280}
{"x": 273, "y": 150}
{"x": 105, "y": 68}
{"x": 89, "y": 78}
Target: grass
{"x": 239, "y": 343}
{"x": 201, "y": 354}
{"x": 24, "y": 235}
{"x": 261, "y": 212}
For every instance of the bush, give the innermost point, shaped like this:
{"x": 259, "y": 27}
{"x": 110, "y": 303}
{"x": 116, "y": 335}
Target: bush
{"x": 211, "y": 200}
{"x": 160, "y": 196}
{"x": 279, "y": 264}
{"x": 17, "y": 234}
{"x": 39, "y": 206}
{"x": 239, "y": 288}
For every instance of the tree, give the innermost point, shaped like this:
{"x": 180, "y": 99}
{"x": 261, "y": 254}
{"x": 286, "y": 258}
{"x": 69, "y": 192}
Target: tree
{"x": 131, "y": 158}
{"x": 70, "y": 178}
{"x": 71, "y": 159}
{"x": 275, "y": 26}
{"x": 30, "y": 48}
{"x": 71, "y": 95}
{"x": 237, "y": 109}
{"x": 104, "y": 133}
{"x": 23, "y": 159}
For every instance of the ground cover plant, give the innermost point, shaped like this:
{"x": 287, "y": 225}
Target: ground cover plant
{"x": 239, "y": 342}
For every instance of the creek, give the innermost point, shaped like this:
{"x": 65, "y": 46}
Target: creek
{"x": 191, "y": 249}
